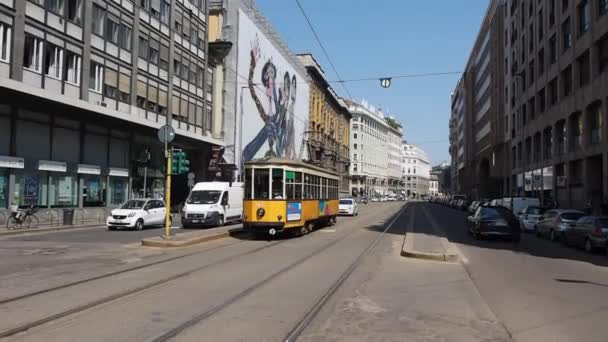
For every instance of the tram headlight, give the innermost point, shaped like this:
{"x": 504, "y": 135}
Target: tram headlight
{"x": 261, "y": 212}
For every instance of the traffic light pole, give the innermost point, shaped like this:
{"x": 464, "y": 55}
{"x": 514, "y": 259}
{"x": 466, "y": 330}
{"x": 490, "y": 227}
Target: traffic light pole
{"x": 168, "y": 195}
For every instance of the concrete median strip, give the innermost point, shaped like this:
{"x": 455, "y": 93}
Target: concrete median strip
{"x": 191, "y": 238}
{"x": 436, "y": 247}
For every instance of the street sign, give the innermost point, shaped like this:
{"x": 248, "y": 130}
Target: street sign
{"x": 166, "y": 134}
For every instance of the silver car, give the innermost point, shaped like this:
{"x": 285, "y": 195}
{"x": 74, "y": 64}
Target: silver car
{"x": 554, "y": 223}
{"x": 589, "y": 232}
{"x": 528, "y": 218}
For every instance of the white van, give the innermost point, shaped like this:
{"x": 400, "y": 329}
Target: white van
{"x": 213, "y": 204}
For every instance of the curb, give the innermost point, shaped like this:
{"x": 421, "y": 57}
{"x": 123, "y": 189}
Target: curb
{"x": 156, "y": 242}
{"x": 47, "y": 230}
{"x": 408, "y": 251}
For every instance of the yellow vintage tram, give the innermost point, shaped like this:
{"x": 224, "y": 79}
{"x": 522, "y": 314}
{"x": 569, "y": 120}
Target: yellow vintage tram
{"x": 283, "y": 195}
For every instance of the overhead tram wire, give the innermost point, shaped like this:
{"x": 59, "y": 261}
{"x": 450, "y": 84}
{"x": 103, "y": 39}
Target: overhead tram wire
{"x": 314, "y": 32}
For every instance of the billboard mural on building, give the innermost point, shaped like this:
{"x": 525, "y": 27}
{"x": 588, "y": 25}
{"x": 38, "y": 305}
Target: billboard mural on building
{"x": 273, "y": 97}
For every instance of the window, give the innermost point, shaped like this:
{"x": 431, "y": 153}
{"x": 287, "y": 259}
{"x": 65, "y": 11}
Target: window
{"x": 154, "y": 51}
{"x": 96, "y": 77}
{"x": 110, "y": 83}
{"x": 541, "y": 61}
{"x": 603, "y": 7}
{"x": 164, "y": 57}
{"x": 176, "y": 67}
{"x": 566, "y": 35}
{"x": 98, "y": 20}
{"x": 551, "y": 13}
{"x": 584, "y": 69}
{"x": 553, "y": 92}
{"x": 143, "y": 48}
{"x": 602, "y": 48}
{"x": 53, "y": 61}
{"x": 5, "y": 42}
{"x": 72, "y": 68}
{"x": 124, "y": 88}
{"x": 112, "y": 28}
{"x": 542, "y": 104}
{"x": 354, "y": 146}
{"x": 564, "y": 5}
{"x": 541, "y": 24}
{"x": 583, "y": 17}
{"x": 531, "y": 40}
{"x": 553, "y": 49}
{"x": 567, "y": 81}
{"x": 531, "y": 73}
{"x": 75, "y": 11}
{"x": 124, "y": 37}
{"x": 55, "y": 6}
{"x": 355, "y": 136}
{"x": 32, "y": 53}
{"x": 155, "y": 8}
{"x": 165, "y": 10}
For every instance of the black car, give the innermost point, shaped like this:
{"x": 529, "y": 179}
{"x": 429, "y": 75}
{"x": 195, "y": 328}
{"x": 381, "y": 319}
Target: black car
{"x": 494, "y": 222}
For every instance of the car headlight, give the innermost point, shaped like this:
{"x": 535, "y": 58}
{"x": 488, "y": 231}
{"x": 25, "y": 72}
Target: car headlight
{"x": 131, "y": 214}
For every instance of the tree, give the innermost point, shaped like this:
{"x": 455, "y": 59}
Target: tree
{"x": 393, "y": 123}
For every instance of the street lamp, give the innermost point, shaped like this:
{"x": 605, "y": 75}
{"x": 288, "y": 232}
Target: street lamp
{"x": 385, "y": 82}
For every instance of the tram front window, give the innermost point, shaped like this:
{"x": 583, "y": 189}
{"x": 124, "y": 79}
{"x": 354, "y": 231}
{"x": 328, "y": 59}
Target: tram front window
{"x": 277, "y": 184}
{"x": 261, "y": 184}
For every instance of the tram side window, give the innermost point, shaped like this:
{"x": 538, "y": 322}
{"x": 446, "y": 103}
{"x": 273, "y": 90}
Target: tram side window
{"x": 298, "y": 186}
{"x": 317, "y": 186}
{"x": 261, "y": 184}
{"x": 248, "y": 184}
{"x": 277, "y": 184}
{"x": 293, "y": 185}
{"x": 307, "y": 187}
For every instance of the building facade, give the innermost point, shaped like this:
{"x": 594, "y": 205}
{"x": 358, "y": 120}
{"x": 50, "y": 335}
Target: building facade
{"x": 370, "y": 136}
{"x": 442, "y": 174}
{"x": 328, "y": 132}
{"x": 557, "y": 80}
{"x": 478, "y": 148}
{"x": 415, "y": 171}
{"x": 433, "y": 185}
{"x": 86, "y": 84}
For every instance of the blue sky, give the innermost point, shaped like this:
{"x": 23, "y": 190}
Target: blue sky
{"x": 390, "y": 37}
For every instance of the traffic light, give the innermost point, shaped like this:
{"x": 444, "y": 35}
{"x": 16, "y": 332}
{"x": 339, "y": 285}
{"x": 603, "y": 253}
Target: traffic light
{"x": 179, "y": 163}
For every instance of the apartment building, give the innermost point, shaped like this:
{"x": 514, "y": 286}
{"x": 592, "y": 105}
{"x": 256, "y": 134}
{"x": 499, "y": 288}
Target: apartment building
{"x": 86, "y": 84}
{"x": 328, "y": 129}
{"x": 371, "y": 134}
{"x": 415, "y": 170}
{"x": 557, "y": 76}
{"x": 478, "y": 147}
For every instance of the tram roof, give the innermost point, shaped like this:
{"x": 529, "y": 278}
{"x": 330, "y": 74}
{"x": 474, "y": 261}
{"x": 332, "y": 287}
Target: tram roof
{"x": 288, "y": 162}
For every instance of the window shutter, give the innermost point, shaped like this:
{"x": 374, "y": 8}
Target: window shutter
{"x": 124, "y": 83}
{"x": 111, "y": 77}
{"x": 141, "y": 89}
{"x": 155, "y": 4}
{"x": 153, "y": 94}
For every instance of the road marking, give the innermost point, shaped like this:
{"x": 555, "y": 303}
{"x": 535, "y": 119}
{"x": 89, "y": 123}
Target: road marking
{"x": 328, "y": 230}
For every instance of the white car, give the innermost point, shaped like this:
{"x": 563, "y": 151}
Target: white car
{"x": 348, "y": 206}
{"x": 137, "y": 214}
{"x": 528, "y": 218}
{"x": 375, "y": 199}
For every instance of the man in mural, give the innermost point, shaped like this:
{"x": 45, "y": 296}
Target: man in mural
{"x": 278, "y": 117}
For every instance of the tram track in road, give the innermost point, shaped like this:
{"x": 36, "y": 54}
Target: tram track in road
{"x": 309, "y": 316}
{"x": 79, "y": 308}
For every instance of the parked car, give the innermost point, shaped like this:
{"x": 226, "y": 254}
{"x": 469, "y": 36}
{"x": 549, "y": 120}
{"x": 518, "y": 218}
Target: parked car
{"x": 384, "y": 199}
{"x": 528, "y": 217}
{"x": 517, "y": 204}
{"x": 348, "y": 206}
{"x": 473, "y": 207}
{"x": 137, "y": 214}
{"x": 589, "y": 232}
{"x": 375, "y": 199}
{"x": 555, "y": 222}
{"x": 494, "y": 221}
{"x": 464, "y": 205}
{"x": 363, "y": 200}
{"x": 497, "y": 202}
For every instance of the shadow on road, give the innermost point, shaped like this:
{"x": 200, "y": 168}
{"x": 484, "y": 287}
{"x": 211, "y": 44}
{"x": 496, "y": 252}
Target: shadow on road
{"x": 453, "y": 225}
{"x": 576, "y": 281}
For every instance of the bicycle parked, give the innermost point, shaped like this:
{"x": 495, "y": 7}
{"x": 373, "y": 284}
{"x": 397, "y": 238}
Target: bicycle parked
{"x": 23, "y": 218}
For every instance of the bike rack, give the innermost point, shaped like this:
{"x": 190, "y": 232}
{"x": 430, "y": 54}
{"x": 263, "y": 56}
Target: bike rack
{"x": 57, "y": 215}
{"x": 82, "y": 213}
{"x": 3, "y": 214}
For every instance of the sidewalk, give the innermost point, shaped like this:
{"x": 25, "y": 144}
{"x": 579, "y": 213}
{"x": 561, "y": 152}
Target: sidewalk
{"x": 423, "y": 240}
{"x": 192, "y": 237}
{"x": 46, "y": 228}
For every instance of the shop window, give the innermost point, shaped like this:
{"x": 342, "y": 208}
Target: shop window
{"x": 96, "y": 77}
{"x": 31, "y": 189}
{"x": 118, "y": 190}
{"x": 63, "y": 191}
{"x": 94, "y": 192}
{"x": 32, "y": 53}
{"x": 72, "y": 68}
{"x": 3, "y": 189}
{"x": 5, "y": 42}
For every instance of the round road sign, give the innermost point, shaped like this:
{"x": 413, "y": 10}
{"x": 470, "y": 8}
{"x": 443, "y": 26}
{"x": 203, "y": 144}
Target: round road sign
{"x": 166, "y": 134}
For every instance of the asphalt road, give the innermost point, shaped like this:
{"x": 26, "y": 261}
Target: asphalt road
{"x": 540, "y": 290}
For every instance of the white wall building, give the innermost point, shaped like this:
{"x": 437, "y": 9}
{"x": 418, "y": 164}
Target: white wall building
{"x": 374, "y": 167}
{"x": 415, "y": 170}
{"x": 433, "y": 186}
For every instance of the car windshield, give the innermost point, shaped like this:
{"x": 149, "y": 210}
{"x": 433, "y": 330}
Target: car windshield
{"x": 204, "y": 197}
{"x": 534, "y": 211}
{"x": 346, "y": 202}
{"x": 133, "y": 204}
{"x": 571, "y": 216}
